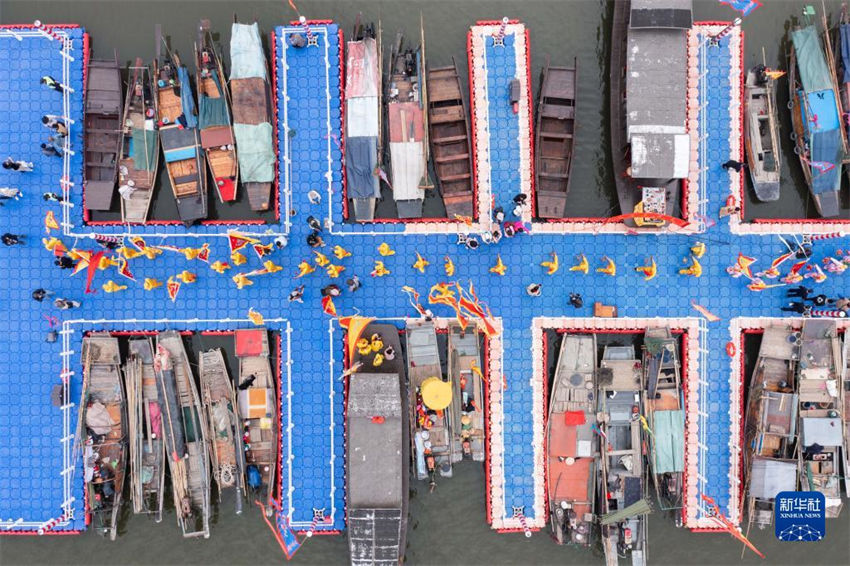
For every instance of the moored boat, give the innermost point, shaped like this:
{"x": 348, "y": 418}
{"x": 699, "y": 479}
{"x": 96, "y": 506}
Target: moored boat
{"x": 252, "y": 114}
{"x": 624, "y": 503}
{"x": 144, "y": 412}
{"x": 363, "y": 120}
{"x": 572, "y": 445}
{"x": 664, "y": 412}
{"x": 104, "y": 439}
{"x": 770, "y": 432}
{"x": 816, "y": 119}
{"x": 377, "y": 451}
{"x": 761, "y": 133}
{"x": 257, "y": 408}
{"x": 214, "y": 121}
{"x": 448, "y": 128}
{"x": 650, "y": 147}
{"x": 821, "y": 449}
{"x": 102, "y": 129}
{"x": 185, "y": 439}
{"x": 467, "y": 378}
{"x": 407, "y": 131}
{"x": 556, "y": 127}
{"x": 429, "y": 395}
{"x": 139, "y": 162}
{"x": 224, "y": 433}
{"x": 178, "y": 135}
{"x": 845, "y": 392}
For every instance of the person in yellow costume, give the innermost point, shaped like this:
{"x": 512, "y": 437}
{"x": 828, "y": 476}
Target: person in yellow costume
{"x": 649, "y": 271}
{"x": 694, "y": 269}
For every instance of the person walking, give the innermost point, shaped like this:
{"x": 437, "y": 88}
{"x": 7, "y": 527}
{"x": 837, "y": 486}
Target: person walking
{"x": 331, "y": 291}
{"x": 353, "y": 283}
{"x": 8, "y": 193}
{"x": 842, "y": 304}
{"x": 297, "y": 295}
{"x": 65, "y": 304}
{"x": 55, "y": 123}
{"x": 50, "y": 151}
{"x": 12, "y": 239}
{"x": 796, "y": 307}
{"x": 39, "y": 294}
{"x": 802, "y": 292}
{"x": 314, "y": 223}
{"x": 314, "y": 197}
{"x": 533, "y": 290}
{"x": 17, "y": 165}
{"x": 576, "y": 300}
{"x": 64, "y": 262}
{"x": 52, "y": 197}
{"x": 50, "y": 82}
{"x": 314, "y": 240}
{"x": 732, "y": 164}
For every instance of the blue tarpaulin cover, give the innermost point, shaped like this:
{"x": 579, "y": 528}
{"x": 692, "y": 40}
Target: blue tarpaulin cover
{"x": 811, "y": 63}
{"x": 187, "y": 98}
{"x": 845, "y": 51}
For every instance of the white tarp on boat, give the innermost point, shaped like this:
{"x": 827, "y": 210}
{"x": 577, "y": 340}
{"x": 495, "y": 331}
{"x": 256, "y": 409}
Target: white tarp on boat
{"x": 361, "y": 117}
{"x": 408, "y": 169}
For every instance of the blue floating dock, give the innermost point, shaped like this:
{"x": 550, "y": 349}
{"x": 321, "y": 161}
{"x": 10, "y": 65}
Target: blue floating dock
{"x": 35, "y": 449}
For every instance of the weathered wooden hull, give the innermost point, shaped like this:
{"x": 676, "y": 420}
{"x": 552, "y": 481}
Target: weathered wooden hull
{"x": 555, "y": 139}
{"x": 139, "y": 117}
{"x": 103, "y": 133}
{"x": 761, "y": 128}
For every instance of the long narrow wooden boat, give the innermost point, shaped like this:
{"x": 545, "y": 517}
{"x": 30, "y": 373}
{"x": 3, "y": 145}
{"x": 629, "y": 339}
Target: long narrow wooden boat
{"x": 816, "y": 119}
{"x": 466, "y": 376}
{"x": 761, "y": 133}
{"x": 572, "y": 446}
{"x": 139, "y": 161}
{"x": 214, "y": 122}
{"x": 363, "y": 120}
{"x": 771, "y": 424}
{"x": 842, "y": 59}
{"x": 252, "y": 114}
{"x": 638, "y": 192}
{"x": 622, "y": 492}
{"x": 102, "y": 130}
{"x": 821, "y": 449}
{"x": 144, "y": 411}
{"x": 178, "y": 134}
{"x": 224, "y": 433}
{"x": 429, "y": 395}
{"x": 448, "y": 126}
{"x": 105, "y": 437}
{"x": 257, "y": 399}
{"x": 664, "y": 412}
{"x": 185, "y": 438}
{"x": 406, "y": 101}
{"x": 377, "y": 451}
{"x": 556, "y": 128}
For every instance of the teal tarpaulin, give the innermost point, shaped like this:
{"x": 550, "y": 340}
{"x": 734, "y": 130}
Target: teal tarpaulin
{"x": 145, "y": 145}
{"x": 213, "y": 111}
{"x": 256, "y": 152}
{"x": 811, "y": 63}
{"x": 247, "y": 59}
{"x": 669, "y": 432}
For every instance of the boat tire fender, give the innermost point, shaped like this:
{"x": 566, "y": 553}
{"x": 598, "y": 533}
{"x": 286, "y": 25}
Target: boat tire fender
{"x": 731, "y": 350}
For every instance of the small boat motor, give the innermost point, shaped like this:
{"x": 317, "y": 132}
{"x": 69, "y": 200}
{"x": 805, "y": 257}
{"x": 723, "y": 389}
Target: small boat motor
{"x": 514, "y": 95}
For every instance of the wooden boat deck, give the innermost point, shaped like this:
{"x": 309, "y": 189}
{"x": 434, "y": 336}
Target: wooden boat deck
{"x": 556, "y": 117}
{"x": 102, "y": 132}
{"x": 450, "y": 141}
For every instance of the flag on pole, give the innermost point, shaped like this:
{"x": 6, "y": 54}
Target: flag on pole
{"x": 743, "y": 6}
{"x": 124, "y": 269}
{"x": 709, "y": 316}
{"x": 237, "y": 241}
{"x": 414, "y": 299}
{"x": 50, "y": 222}
{"x": 173, "y": 288}
{"x": 328, "y": 306}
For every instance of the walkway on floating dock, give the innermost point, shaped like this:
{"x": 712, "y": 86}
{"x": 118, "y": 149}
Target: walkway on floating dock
{"x": 312, "y": 453}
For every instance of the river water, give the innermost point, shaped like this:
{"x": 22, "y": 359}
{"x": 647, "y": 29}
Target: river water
{"x": 446, "y": 527}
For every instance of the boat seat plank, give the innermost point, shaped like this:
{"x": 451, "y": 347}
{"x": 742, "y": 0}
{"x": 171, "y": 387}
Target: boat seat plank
{"x": 555, "y": 135}
{"x": 448, "y": 139}
{"x": 456, "y": 177}
{"x": 447, "y": 158}
{"x": 451, "y": 114}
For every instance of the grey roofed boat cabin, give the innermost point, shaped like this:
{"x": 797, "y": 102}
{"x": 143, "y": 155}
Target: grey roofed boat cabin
{"x": 656, "y": 88}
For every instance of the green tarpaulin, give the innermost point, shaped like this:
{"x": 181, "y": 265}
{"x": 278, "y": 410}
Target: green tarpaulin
{"x": 256, "y": 152}
{"x": 213, "y": 111}
{"x": 811, "y": 63}
{"x": 145, "y": 148}
{"x": 642, "y": 507}
{"x": 669, "y": 432}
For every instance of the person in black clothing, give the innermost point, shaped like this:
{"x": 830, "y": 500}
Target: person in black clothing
{"x": 314, "y": 223}
{"x": 331, "y": 291}
{"x": 52, "y": 197}
{"x": 732, "y": 164}
{"x": 314, "y": 240}
{"x": 49, "y": 150}
{"x": 520, "y": 199}
{"x": 576, "y": 300}
{"x": 820, "y": 300}
{"x": 353, "y": 283}
{"x": 64, "y": 262}
{"x": 800, "y": 291}
{"x": 499, "y": 214}
{"x": 12, "y": 239}
{"x": 39, "y": 294}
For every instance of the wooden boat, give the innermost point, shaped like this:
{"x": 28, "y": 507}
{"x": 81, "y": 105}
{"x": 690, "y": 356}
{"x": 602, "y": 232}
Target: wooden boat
{"x": 664, "y": 412}
{"x": 252, "y": 114}
{"x": 363, "y": 120}
{"x": 466, "y": 376}
{"x": 556, "y": 127}
{"x": 761, "y": 133}
{"x": 144, "y": 412}
{"x": 816, "y": 118}
{"x": 224, "y": 433}
{"x": 821, "y": 449}
{"x": 257, "y": 398}
{"x": 451, "y": 148}
{"x": 214, "y": 122}
{"x": 139, "y": 161}
{"x": 102, "y": 129}
{"x": 771, "y": 424}
{"x": 377, "y": 451}
{"x": 178, "y": 134}
{"x": 622, "y": 490}
{"x": 185, "y": 437}
{"x": 104, "y": 439}
{"x": 429, "y": 395}
{"x": 407, "y": 130}
{"x": 842, "y": 58}
{"x": 637, "y": 193}
{"x": 572, "y": 447}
